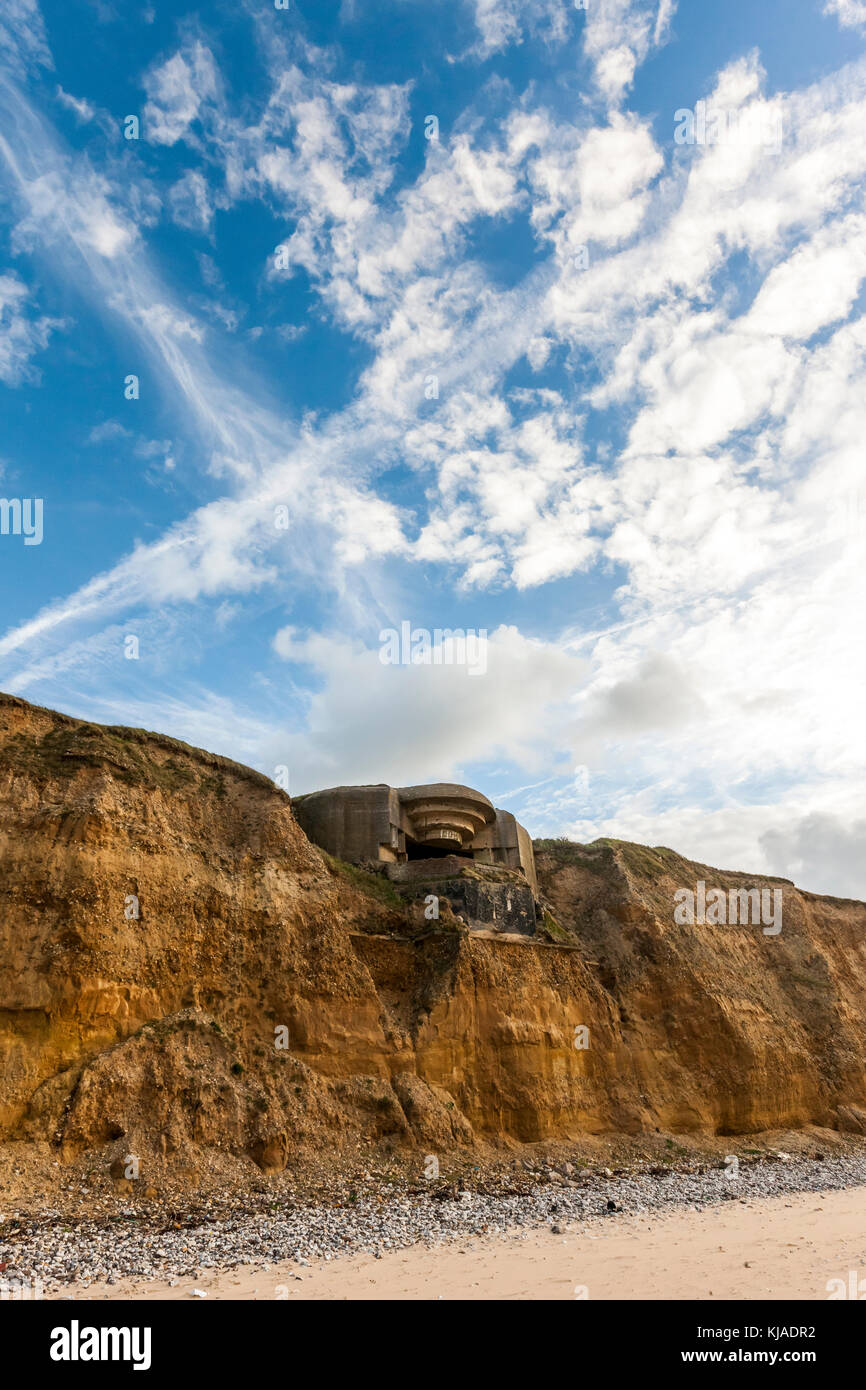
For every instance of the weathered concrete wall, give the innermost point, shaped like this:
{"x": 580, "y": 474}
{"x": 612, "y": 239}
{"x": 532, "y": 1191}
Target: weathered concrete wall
{"x": 358, "y": 824}
{"x": 348, "y": 822}
{"x": 422, "y": 871}
{"x": 503, "y": 907}
{"x": 487, "y": 896}
{"x": 510, "y": 844}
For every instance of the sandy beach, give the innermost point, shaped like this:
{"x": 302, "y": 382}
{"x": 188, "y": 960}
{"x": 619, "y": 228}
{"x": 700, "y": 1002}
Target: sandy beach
{"x": 777, "y": 1248}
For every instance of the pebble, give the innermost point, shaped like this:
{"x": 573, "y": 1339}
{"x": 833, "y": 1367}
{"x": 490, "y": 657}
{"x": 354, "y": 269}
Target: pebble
{"x": 105, "y": 1250}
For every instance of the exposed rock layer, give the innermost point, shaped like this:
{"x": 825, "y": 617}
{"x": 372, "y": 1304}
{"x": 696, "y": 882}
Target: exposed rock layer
{"x": 268, "y": 1001}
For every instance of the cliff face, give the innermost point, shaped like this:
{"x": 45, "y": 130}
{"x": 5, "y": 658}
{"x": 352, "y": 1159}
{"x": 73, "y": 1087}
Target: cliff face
{"x": 719, "y": 1027}
{"x": 266, "y": 1002}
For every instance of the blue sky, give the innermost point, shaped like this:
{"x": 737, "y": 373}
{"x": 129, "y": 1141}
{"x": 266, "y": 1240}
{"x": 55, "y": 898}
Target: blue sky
{"x": 641, "y": 470}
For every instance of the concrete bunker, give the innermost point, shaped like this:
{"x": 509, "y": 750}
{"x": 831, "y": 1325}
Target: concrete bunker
{"x": 441, "y": 832}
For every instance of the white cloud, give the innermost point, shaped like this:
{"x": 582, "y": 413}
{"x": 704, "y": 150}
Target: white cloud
{"x": 716, "y": 318}
{"x": 618, "y": 37}
{"x": 23, "y": 42}
{"x": 850, "y": 13}
{"x": 538, "y": 352}
{"x": 501, "y": 23}
{"x": 21, "y": 337}
{"x": 589, "y": 185}
{"x": 83, "y": 110}
{"x": 79, "y": 210}
{"x": 816, "y": 286}
{"x": 821, "y": 852}
{"x": 512, "y": 495}
{"x": 108, "y": 430}
{"x": 176, "y": 92}
{"x": 191, "y": 203}
{"x": 404, "y": 724}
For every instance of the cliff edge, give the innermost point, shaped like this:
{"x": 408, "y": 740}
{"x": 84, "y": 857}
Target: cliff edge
{"x": 182, "y": 971}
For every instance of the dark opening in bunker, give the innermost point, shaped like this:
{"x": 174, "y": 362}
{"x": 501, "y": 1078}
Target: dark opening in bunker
{"x": 416, "y": 850}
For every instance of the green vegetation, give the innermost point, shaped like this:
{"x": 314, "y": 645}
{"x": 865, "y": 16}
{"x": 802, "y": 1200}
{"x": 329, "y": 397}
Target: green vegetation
{"x": 373, "y": 886}
{"x": 593, "y": 857}
{"x": 676, "y": 1149}
{"x": 640, "y": 859}
{"x": 561, "y": 846}
{"x": 600, "y": 854}
{"x": 131, "y": 754}
{"x": 554, "y": 931}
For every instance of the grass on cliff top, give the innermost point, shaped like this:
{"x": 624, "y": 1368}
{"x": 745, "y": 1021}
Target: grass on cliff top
{"x": 372, "y": 885}
{"x": 603, "y": 853}
{"x": 644, "y": 861}
{"x": 73, "y": 743}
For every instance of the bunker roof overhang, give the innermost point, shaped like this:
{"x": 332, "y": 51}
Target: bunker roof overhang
{"x": 445, "y": 814}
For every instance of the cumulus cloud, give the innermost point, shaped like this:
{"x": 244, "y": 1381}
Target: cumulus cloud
{"x": 376, "y": 722}
{"x": 669, "y": 401}
{"x": 619, "y": 35}
{"x": 589, "y": 186}
{"x": 821, "y": 852}
{"x": 660, "y": 694}
{"x": 816, "y": 286}
{"x": 515, "y": 495}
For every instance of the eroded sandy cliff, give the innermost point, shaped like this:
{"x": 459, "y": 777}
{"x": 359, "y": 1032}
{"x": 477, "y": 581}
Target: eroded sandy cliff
{"x": 159, "y": 1035}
